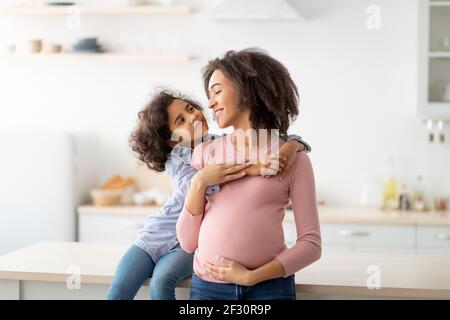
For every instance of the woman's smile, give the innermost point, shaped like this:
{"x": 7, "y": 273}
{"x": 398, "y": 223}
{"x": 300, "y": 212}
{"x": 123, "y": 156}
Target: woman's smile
{"x": 217, "y": 112}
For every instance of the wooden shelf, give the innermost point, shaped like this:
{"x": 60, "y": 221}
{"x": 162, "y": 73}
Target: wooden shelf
{"x": 99, "y": 57}
{"x": 96, "y": 10}
{"x": 440, "y": 54}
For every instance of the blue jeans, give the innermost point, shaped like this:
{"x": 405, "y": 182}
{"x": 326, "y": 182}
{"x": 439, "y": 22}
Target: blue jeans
{"x": 136, "y": 266}
{"x": 275, "y": 289}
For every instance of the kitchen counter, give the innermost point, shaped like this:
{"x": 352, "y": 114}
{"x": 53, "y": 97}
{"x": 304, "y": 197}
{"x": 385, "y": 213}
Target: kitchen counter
{"x": 42, "y": 271}
{"x": 332, "y": 214}
{"x": 118, "y": 210}
{"x": 377, "y": 216}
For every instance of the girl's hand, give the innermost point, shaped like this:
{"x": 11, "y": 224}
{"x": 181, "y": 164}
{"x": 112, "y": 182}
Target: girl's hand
{"x": 267, "y": 167}
{"x": 232, "y": 272}
{"x": 289, "y": 152}
{"x": 220, "y": 173}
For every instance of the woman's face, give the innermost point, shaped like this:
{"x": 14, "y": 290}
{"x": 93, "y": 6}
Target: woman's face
{"x": 224, "y": 100}
{"x": 186, "y": 121}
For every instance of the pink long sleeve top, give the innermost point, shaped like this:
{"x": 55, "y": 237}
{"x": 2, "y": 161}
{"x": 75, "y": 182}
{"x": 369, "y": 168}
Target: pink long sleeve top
{"x": 243, "y": 222}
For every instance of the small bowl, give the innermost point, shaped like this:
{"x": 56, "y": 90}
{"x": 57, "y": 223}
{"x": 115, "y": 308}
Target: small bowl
{"x": 33, "y": 46}
{"x": 11, "y": 48}
{"x": 54, "y": 48}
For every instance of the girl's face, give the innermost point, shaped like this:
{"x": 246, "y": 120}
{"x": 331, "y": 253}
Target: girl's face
{"x": 224, "y": 100}
{"x": 186, "y": 121}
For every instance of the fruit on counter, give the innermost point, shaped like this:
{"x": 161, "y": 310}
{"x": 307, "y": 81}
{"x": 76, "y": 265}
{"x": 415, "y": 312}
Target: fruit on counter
{"x": 117, "y": 190}
{"x": 117, "y": 182}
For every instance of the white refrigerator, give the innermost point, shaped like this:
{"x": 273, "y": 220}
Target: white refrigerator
{"x": 37, "y": 188}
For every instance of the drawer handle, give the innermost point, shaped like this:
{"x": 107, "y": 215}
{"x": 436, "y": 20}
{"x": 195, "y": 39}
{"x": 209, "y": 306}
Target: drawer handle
{"x": 348, "y": 233}
{"x": 442, "y": 236}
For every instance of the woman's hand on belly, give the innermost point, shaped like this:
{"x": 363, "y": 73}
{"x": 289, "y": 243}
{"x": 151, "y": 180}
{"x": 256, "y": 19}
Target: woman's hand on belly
{"x": 232, "y": 272}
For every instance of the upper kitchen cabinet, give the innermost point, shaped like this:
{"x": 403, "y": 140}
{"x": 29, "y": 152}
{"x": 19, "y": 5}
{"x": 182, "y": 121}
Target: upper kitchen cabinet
{"x": 434, "y": 59}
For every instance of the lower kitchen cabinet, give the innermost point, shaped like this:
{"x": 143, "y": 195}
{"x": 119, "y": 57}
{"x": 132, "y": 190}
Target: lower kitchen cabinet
{"x": 106, "y": 228}
{"x": 403, "y": 239}
{"x": 370, "y": 238}
{"x": 433, "y": 240}
{"x": 115, "y": 225}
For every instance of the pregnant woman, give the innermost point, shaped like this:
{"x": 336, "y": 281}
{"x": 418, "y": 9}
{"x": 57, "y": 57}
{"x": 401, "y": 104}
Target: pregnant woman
{"x": 237, "y": 234}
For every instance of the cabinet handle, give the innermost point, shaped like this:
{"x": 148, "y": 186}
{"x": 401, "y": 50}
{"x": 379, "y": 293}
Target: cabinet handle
{"x": 442, "y": 236}
{"x": 349, "y": 233}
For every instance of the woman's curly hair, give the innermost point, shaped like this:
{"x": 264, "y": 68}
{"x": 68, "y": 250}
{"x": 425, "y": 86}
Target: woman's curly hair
{"x": 149, "y": 139}
{"x": 264, "y": 85}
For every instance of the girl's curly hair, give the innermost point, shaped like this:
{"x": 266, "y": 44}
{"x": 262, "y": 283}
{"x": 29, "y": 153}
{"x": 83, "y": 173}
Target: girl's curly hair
{"x": 264, "y": 85}
{"x": 149, "y": 139}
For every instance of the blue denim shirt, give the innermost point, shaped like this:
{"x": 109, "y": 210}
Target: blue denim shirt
{"x": 159, "y": 236}
{"x": 159, "y": 233}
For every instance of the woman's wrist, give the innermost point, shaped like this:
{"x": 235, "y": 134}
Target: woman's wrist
{"x": 251, "y": 278}
{"x": 198, "y": 183}
{"x": 271, "y": 270}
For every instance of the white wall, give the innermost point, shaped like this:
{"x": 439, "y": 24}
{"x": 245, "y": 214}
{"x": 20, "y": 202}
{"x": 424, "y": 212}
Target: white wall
{"x": 358, "y": 87}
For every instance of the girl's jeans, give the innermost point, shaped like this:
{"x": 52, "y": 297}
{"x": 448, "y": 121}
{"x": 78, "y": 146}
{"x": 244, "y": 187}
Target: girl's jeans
{"x": 136, "y": 266}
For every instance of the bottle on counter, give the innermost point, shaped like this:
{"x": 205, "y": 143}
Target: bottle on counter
{"x": 404, "y": 201}
{"x": 370, "y": 192}
{"x": 390, "y": 195}
{"x": 390, "y": 188}
{"x": 418, "y": 196}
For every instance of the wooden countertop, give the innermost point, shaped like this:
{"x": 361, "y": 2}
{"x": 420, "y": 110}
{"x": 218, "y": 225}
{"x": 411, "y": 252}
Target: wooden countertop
{"x": 377, "y": 216}
{"x": 119, "y": 210}
{"x": 408, "y": 276}
{"x": 331, "y": 214}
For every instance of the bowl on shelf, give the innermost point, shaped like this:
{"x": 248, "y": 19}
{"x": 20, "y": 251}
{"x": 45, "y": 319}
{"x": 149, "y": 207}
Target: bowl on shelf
{"x": 32, "y": 46}
{"x": 87, "y": 45}
{"x": 54, "y": 48}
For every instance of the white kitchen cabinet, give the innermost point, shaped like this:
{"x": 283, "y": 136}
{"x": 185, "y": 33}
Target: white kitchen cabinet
{"x": 360, "y": 237}
{"x": 109, "y": 228}
{"x": 433, "y": 240}
{"x": 434, "y": 59}
{"x": 370, "y": 238}
{"x": 115, "y": 225}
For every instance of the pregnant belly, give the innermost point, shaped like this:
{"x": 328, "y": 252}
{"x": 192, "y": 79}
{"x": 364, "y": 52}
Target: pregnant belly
{"x": 238, "y": 238}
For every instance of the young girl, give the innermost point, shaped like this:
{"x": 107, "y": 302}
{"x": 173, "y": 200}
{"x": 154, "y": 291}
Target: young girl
{"x": 156, "y": 252}
{"x": 240, "y": 252}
